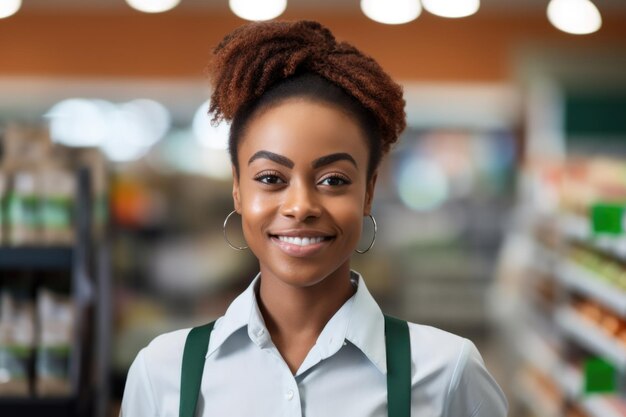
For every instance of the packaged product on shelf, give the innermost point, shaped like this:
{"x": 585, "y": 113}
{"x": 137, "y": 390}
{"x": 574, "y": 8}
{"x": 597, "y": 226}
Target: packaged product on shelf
{"x": 21, "y": 210}
{"x": 612, "y": 324}
{"x": 17, "y": 141}
{"x": 54, "y": 352}
{"x": 25, "y": 149}
{"x": 56, "y": 205}
{"x": 16, "y": 345}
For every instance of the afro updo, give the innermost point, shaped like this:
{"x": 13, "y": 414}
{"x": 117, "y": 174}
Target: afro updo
{"x": 260, "y": 64}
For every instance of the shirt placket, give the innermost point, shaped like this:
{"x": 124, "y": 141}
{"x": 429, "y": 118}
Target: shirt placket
{"x": 290, "y": 393}
{"x": 291, "y": 399}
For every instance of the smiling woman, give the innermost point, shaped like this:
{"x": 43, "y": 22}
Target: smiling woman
{"x": 311, "y": 119}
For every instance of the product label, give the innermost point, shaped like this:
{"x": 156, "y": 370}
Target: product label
{"x": 53, "y": 361}
{"x": 600, "y": 376}
{"x": 56, "y": 212}
{"x": 14, "y": 362}
{"x": 607, "y": 218}
{"x": 22, "y": 210}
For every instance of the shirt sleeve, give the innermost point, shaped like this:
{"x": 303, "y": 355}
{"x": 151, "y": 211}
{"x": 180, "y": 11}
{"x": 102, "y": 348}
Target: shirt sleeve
{"x": 473, "y": 392}
{"x": 138, "y": 399}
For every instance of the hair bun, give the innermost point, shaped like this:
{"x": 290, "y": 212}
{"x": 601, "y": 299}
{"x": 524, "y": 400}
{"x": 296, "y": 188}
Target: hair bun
{"x": 257, "y": 55}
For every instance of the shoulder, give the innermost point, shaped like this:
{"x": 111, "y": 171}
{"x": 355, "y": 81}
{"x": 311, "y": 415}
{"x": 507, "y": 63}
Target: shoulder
{"x": 452, "y": 367}
{"x": 167, "y": 346}
{"x": 161, "y": 361}
{"x": 436, "y": 348}
{"x": 154, "y": 375}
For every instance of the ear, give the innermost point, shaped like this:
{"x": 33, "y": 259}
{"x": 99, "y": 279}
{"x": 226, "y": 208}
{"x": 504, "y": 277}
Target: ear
{"x": 369, "y": 194}
{"x": 236, "y": 196}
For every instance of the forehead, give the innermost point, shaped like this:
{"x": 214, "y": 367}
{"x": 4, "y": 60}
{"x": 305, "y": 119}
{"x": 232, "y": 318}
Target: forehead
{"x": 303, "y": 129}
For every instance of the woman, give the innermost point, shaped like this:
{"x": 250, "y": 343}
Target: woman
{"x": 311, "y": 119}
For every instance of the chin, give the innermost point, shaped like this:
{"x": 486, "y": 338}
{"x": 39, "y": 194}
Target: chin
{"x": 301, "y": 274}
{"x": 302, "y": 277}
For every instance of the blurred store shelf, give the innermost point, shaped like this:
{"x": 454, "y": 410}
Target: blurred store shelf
{"x": 588, "y": 283}
{"x": 592, "y": 337}
{"x": 54, "y": 281}
{"x": 604, "y": 406}
{"x": 579, "y": 228}
{"x": 542, "y": 402}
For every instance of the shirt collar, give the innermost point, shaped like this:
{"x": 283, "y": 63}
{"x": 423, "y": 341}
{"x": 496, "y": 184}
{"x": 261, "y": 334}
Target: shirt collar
{"x": 366, "y": 329}
{"x": 237, "y": 316}
{"x": 359, "y": 321}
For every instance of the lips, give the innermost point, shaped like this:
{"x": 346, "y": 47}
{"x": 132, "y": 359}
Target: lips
{"x": 300, "y": 243}
{"x": 300, "y": 233}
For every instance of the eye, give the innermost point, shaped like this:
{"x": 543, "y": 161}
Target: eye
{"x": 335, "y": 180}
{"x": 271, "y": 178}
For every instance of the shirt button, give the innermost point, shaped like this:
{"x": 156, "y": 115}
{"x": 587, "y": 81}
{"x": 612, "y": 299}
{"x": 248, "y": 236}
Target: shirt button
{"x": 260, "y": 332}
{"x": 289, "y": 395}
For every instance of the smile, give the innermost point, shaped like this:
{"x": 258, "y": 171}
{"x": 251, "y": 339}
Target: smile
{"x": 301, "y": 246}
{"x": 301, "y": 241}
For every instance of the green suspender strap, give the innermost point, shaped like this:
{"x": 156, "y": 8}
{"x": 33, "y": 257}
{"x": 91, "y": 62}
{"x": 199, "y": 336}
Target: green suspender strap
{"x": 398, "y": 346}
{"x": 398, "y": 367}
{"x": 194, "y": 356}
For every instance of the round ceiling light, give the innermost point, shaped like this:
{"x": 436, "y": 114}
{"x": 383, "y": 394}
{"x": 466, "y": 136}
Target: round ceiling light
{"x": 258, "y": 9}
{"x": 153, "y": 6}
{"x": 578, "y": 17}
{"x": 452, "y": 8}
{"x": 9, "y": 7}
{"x": 391, "y": 13}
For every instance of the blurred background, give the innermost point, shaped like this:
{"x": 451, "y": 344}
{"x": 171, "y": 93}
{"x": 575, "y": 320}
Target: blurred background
{"x": 500, "y": 212}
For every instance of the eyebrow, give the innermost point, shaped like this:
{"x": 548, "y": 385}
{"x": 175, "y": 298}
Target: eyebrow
{"x": 279, "y": 159}
{"x": 333, "y": 157}
{"x": 319, "y": 162}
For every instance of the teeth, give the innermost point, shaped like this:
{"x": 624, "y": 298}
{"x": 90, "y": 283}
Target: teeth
{"x": 301, "y": 241}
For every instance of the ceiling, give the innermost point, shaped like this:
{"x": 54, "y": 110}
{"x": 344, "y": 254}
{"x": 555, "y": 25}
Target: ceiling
{"x": 499, "y": 6}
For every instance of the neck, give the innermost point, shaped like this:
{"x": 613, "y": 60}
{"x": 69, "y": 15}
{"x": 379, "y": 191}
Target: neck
{"x": 296, "y": 313}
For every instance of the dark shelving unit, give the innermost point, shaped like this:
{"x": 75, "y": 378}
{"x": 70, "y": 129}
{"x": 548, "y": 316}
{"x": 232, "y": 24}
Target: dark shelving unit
{"x": 36, "y": 257}
{"x": 49, "y": 407}
{"x": 89, "y": 291}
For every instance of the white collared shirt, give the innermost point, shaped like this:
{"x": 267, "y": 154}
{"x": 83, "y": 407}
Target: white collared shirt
{"x": 344, "y": 374}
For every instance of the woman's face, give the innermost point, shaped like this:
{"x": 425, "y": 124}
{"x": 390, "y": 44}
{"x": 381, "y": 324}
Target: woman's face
{"x": 302, "y": 190}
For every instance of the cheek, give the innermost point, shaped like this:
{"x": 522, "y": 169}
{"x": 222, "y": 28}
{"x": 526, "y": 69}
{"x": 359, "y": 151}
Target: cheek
{"x": 348, "y": 215}
{"x": 257, "y": 205}
{"x": 257, "y": 210}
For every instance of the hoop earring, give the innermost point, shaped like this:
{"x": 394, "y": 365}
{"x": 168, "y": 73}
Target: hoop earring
{"x": 373, "y": 239}
{"x": 226, "y": 237}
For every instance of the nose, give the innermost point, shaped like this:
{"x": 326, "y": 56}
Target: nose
{"x": 301, "y": 202}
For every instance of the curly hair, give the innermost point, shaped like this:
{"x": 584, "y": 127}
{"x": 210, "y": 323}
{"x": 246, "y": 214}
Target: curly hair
{"x": 261, "y": 64}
